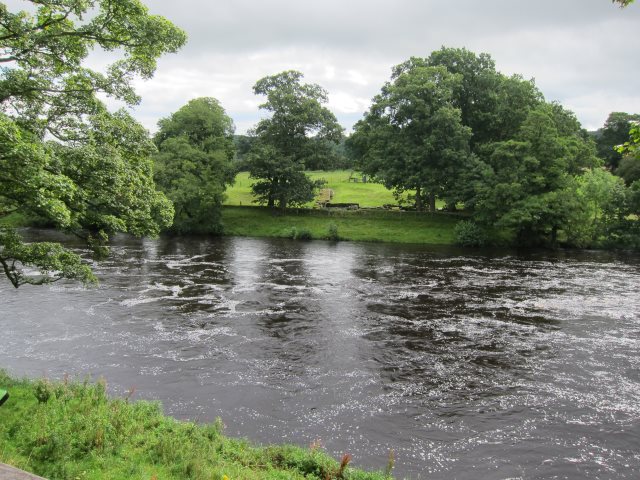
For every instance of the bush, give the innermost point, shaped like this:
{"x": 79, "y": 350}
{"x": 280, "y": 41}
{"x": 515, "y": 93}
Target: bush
{"x": 300, "y": 234}
{"x": 332, "y": 233}
{"x": 469, "y": 234}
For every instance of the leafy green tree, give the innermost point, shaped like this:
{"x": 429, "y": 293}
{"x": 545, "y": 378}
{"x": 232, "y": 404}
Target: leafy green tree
{"x": 243, "y": 144}
{"x": 529, "y": 186}
{"x": 412, "y": 137}
{"x": 601, "y": 210}
{"x": 623, "y": 3}
{"x": 615, "y": 132}
{"x": 491, "y": 104}
{"x": 289, "y": 138}
{"x": 193, "y": 164}
{"x": 64, "y": 157}
{"x": 629, "y": 169}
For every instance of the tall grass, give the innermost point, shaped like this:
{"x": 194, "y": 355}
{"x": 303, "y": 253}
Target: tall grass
{"x": 69, "y": 430}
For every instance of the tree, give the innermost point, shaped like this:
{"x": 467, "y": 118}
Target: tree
{"x": 529, "y": 187}
{"x": 193, "y": 164}
{"x": 412, "y": 137}
{"x": 601, "y": 208}
{"x": 615, "y": 132}
{"x": 289, "y": 138}
{"x": 629, "y": 169}
{"x": 623, "y": 3}
{"x": 63, "y": 156}
{"x": 491, "y": 104}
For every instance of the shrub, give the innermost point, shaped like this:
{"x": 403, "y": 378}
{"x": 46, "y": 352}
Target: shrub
{"x": 332, "y": 233}
{"x": 300, "y": 234}
{"x": 469, "y": 234}
{"x": 304, "y": 234}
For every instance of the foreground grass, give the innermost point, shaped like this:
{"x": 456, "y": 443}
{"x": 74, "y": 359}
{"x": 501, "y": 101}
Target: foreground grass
{"x": 366, "y": 194}
{"x": 363, "y": 225}
{"x": 73, "y": 431}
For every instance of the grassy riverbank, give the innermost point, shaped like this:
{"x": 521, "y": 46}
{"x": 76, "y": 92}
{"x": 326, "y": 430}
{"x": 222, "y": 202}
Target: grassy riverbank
{"x": 73, "y": 431}
{"x": 362, "y": 225}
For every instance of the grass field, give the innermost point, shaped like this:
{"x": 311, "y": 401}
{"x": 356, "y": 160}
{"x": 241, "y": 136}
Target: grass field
{"x": 74, "y": 431}
{"x": 366, "y": 194}
{"x": 362, "y": 225}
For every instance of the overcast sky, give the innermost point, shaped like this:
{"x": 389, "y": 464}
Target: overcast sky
{"x": 582, "y": 53}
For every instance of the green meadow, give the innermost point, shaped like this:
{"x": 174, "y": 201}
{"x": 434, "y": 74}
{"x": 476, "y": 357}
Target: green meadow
{"x": 241, "y": 217}
{"x": 366, "y": 194}
{"x": 362, "y": 225}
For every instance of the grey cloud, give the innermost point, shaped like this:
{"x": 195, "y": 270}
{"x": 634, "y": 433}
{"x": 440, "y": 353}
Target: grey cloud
{"x": 582, "y": 53}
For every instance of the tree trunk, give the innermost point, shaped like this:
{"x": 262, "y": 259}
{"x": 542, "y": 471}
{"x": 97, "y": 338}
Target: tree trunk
{"x": 554, "y": 236}
{"x": 432, "y": 202}
{"x": 419, "y": 206}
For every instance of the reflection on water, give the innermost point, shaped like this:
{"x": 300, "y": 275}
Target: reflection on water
{"x": 467, "y": 365}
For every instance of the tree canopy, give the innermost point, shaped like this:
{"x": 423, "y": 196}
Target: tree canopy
{"x": 615, "y": 132}
{"x": 455, "y": 104}
{"x": 193, "y": 164}
{"x": 65, "y": 158}
{"x": 296, "y": 129}
{"x": 413, "y": 138}
{"x": 449, "y": 125}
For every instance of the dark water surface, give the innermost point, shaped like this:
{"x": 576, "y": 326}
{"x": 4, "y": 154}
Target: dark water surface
{"x": 468, "y": 365}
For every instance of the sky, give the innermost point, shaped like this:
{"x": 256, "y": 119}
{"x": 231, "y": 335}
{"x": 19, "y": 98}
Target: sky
{"x": 582, "y": 53}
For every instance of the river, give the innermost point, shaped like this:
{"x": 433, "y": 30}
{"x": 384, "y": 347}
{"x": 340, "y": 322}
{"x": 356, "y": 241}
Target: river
{"x": 469, "y": 365}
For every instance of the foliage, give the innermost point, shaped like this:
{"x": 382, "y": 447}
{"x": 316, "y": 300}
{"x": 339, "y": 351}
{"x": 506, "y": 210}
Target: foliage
{"x": 527, "y": 189}
{"x": 296, "y": 233}
{"x": 193, "y": 164}
{"x": 491, "y": 104}
{"x": 412, "y": 137}
{"x": 297, "y": 130}
{"x": 52, "y": 260}
{"x": 279, "y": 180}
{"x": 447, "y": 130}
{"x": 632, "y": 145}
{"x": 469, "y": 234}
{"x": 73, "y": 430}
{"x": 623, "y": 3}
{"x": 629, "y": 169}
{"x": 614, "y": 133}
{"x": 243, "y": 144}
{"x": 332, "y": 232}
{"x": 64, "y": 157}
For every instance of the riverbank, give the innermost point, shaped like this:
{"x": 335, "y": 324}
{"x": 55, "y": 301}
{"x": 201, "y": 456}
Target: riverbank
{"x": 73, "y": 430}
{"x": 358, "y": 225}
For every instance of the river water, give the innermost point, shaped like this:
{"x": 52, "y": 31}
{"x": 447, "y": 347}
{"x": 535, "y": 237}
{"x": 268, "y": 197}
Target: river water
{"x": 468, "y": 365}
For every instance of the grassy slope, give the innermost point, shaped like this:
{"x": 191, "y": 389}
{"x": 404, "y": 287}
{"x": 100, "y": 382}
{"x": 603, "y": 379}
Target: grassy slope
{"x": 366, "y": 194}
{"x": 385, "y": 226}
{"x": 377, "y": 225}
{"x": 78, "y": 433}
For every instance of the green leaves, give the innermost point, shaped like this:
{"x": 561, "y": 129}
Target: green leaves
{"x": 193, "y": 165}
{"x": 413, "y": 136}
{"x": 291, "y": 137}
{"x": 53, "y": 261}
{"x": 93, "y": 175}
